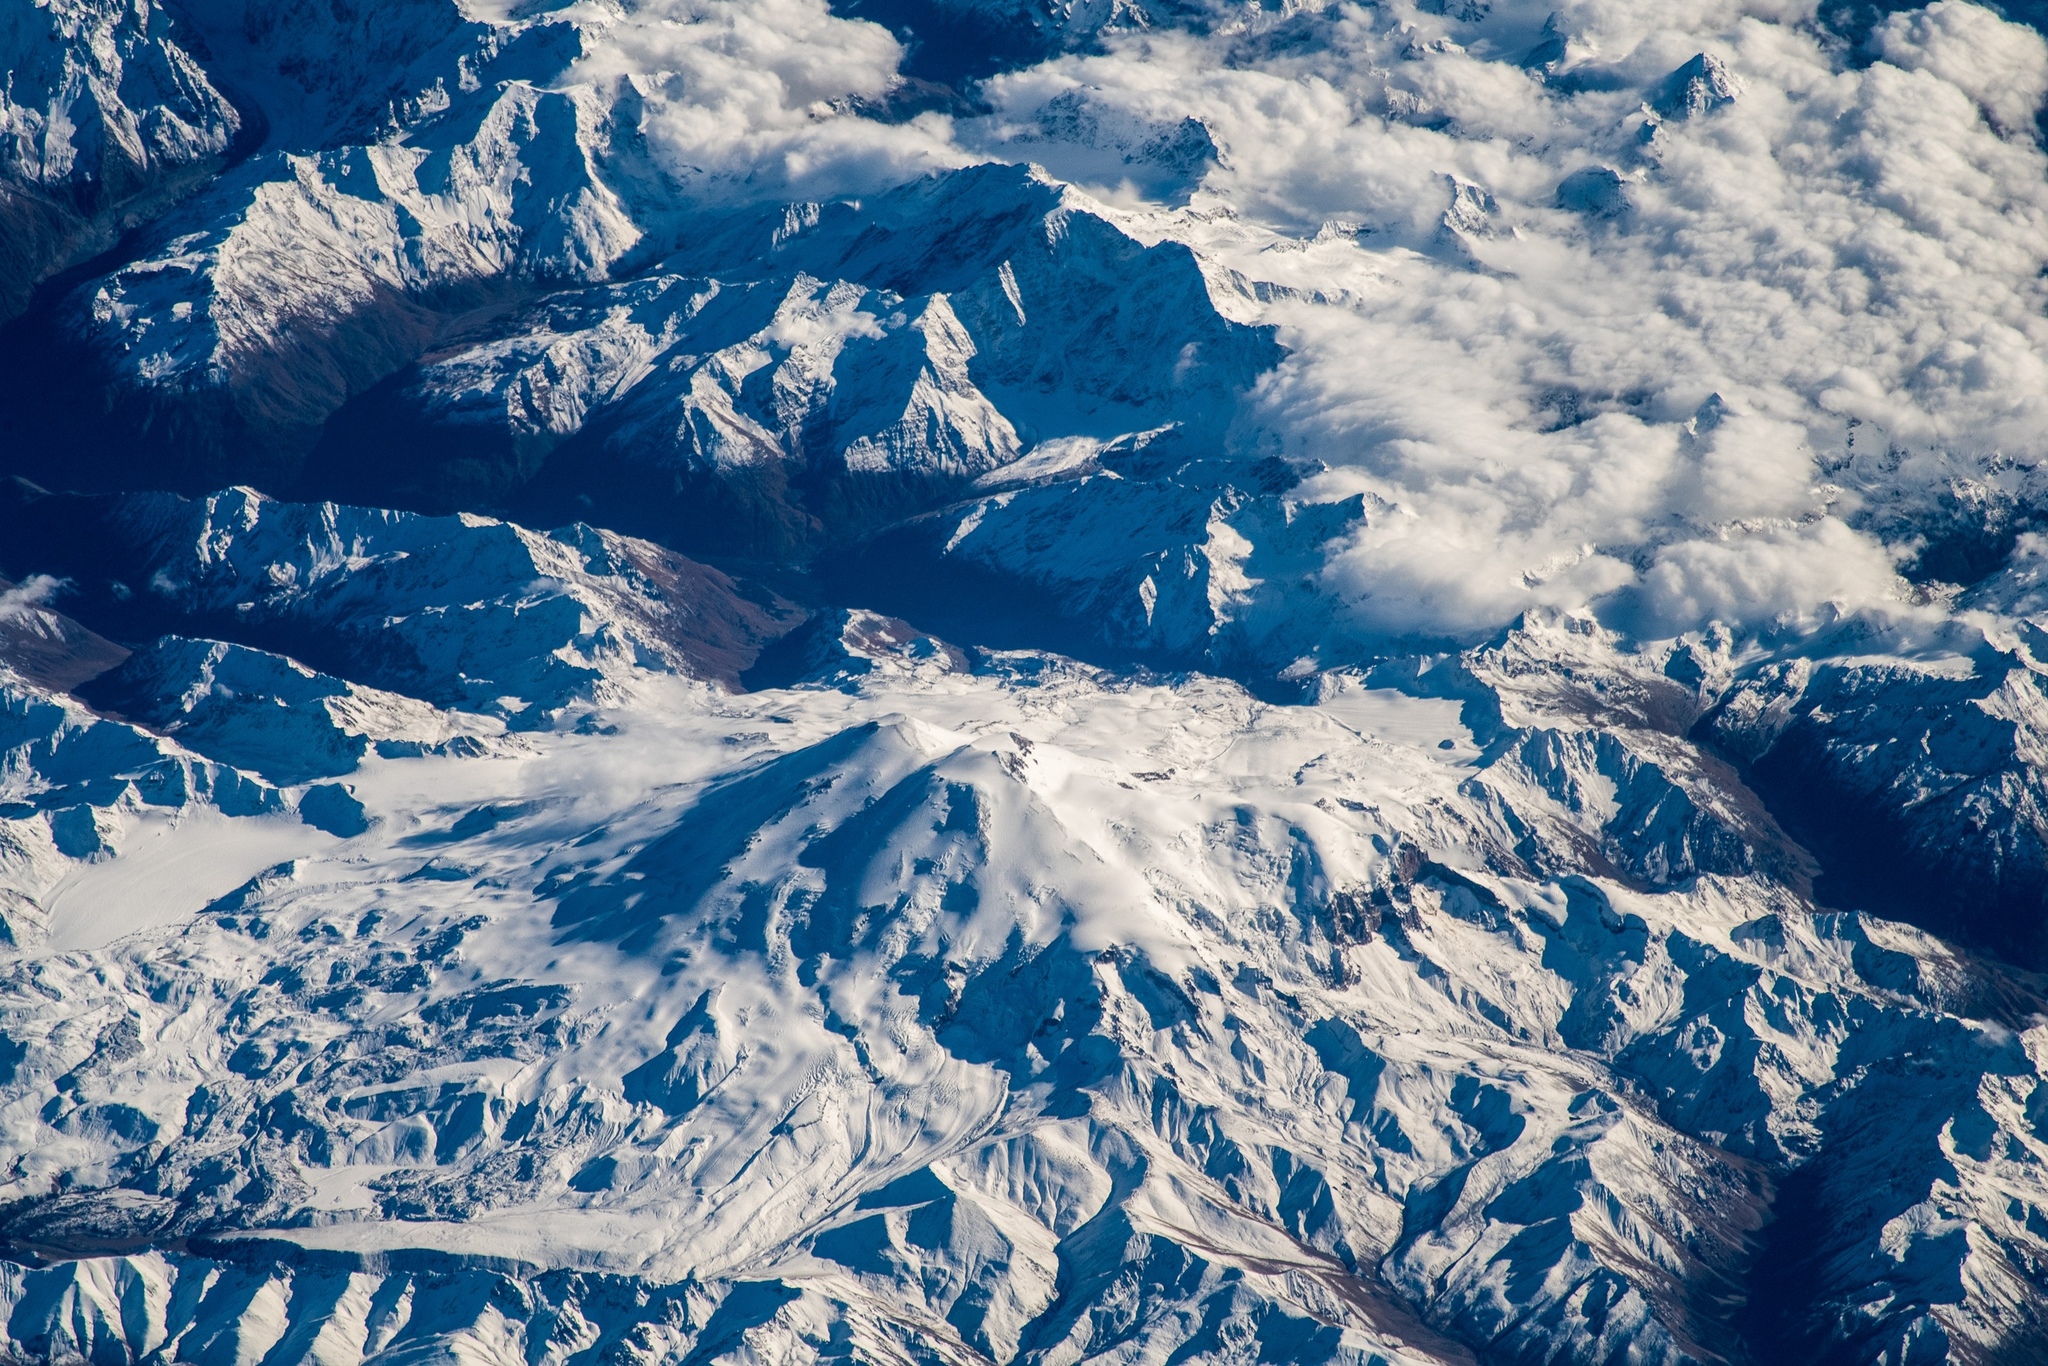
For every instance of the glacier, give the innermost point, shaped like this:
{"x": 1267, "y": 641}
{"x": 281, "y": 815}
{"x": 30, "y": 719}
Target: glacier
{"x": 899, "y": 1012}
{"x": 983, "y": 681}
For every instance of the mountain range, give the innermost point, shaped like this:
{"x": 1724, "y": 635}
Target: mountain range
{"x": 923, "y": 681}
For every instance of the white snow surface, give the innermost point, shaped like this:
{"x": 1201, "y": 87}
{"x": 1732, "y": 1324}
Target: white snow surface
{"x": 1011, "y": 1011}
{"x": 1461, "y": 474}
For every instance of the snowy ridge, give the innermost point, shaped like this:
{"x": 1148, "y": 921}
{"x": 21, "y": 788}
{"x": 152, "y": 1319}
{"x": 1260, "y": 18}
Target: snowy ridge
{"x": 434, "y": 167}
{"x": 75, "y": 786}
{"x": 1366, "y": 684}
{"x": 1181, "y": 1029}
{"x": 329, "y": 76}
{"x": 365, "y": 233}
{"x": 458, "y": 611}
{"x": 44, "y": 646}
{"x": 1150, "y": 546}
{"x": 105, "y": 119}
{"x": 271, "y": 715}
{"x": 805, "y": 374}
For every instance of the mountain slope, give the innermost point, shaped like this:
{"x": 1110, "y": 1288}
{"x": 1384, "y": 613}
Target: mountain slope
{"x": 106, "y": 120}
{"x": 945, "y": 1035}
{"x": 959, "y": 681}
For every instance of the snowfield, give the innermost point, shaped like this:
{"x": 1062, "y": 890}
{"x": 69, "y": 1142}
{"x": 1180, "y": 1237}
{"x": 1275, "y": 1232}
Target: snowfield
{"x": 753, "y": 683}
{"x": 957, "y": 1008}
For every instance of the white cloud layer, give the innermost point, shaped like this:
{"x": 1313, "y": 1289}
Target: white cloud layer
{"x": 1513, "y": 384}
{"x": 2001, "y": 66}
{"x": 1604, "y": 336}
{"x": 756, "y": 98}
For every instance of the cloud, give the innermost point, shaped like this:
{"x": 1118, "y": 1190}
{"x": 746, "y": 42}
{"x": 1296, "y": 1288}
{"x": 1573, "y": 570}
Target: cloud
{"x": 29, "y": 597}
{"x": 1706, "y": 395}
{"x": 1783, "y": 578}
{"x": 2002, "y": 66}
{"x": 1848, "y": 260}
{"x": 761, "y": 99}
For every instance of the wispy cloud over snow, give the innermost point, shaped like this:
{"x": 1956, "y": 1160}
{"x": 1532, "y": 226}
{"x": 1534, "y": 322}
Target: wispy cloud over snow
{"x": 758, "y": 98}
{"x": 28, "y": 597}
{"x": 1652, "y": 307}
{"x": 1562, "y": 253}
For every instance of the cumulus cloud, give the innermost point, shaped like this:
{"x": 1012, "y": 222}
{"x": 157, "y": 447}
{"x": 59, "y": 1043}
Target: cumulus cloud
{"x": 1777, "y": 578}
{"x": 757, "y": 99}
{"x": 2002, "y": 66}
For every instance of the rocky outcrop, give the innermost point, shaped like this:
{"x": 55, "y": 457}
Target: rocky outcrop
{"x": 106, "y": 120}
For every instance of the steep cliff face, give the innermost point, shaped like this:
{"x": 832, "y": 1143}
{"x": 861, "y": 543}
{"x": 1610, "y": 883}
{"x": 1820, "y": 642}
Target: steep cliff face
{"x": 106, "y": 119}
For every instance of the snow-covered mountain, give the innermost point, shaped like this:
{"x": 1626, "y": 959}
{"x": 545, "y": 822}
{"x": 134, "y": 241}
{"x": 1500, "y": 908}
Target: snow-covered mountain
{"x": 105, "y": 119}
{"x": 734, "y": 681}
{"x": 958, "y": 1007}
{"x": 458, "y": 610}
{"x": 815, "y": 370}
